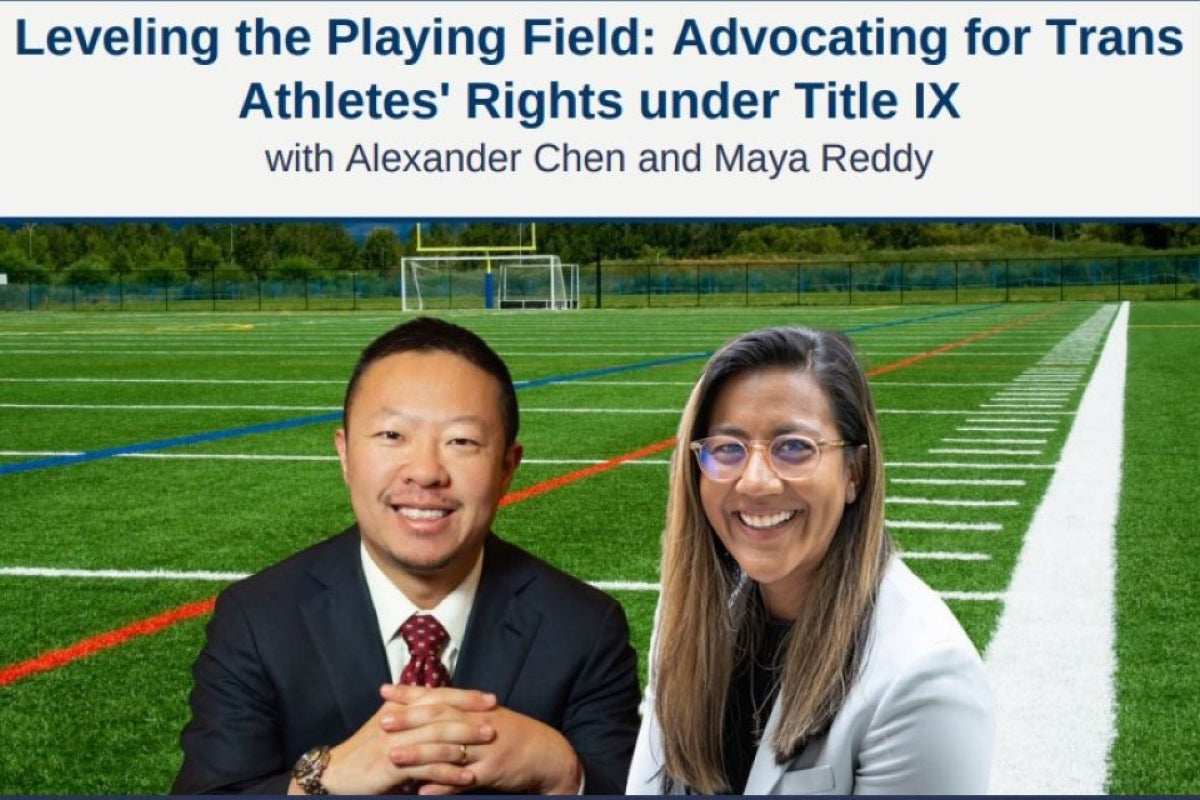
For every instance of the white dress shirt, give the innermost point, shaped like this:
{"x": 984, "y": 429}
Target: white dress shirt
{"x": 392, "y": 608}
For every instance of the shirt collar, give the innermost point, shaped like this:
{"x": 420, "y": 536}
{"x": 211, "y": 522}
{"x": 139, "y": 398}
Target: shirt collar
{"x": 392, "y": 607}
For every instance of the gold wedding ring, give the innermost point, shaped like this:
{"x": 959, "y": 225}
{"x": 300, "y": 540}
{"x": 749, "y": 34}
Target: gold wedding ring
{"x": 462, "y": 757}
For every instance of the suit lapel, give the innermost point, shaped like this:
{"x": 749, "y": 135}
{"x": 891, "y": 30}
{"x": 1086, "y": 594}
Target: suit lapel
{"x": 766, "y": 772}
{"x": 341, "y": 623}
{"x": 501, "y": 628}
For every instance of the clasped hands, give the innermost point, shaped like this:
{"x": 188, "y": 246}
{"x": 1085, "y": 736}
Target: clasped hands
{"x": 446, "y": 741}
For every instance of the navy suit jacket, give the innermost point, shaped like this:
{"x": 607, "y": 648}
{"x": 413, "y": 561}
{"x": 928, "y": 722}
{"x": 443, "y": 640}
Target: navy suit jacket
{"x": 293, "y": 659}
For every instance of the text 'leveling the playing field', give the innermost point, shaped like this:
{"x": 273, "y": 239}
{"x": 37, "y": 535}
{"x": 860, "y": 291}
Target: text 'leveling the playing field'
{"x": 804, "y": 82}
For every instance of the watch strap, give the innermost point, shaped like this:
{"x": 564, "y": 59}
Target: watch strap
{"x": 309, "y": 769}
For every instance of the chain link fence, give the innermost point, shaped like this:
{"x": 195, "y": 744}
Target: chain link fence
{"x": 647, "y": 285}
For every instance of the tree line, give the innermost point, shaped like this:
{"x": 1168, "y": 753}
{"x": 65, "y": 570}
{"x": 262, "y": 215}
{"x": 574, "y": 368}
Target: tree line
{"x": 95, "y": 252}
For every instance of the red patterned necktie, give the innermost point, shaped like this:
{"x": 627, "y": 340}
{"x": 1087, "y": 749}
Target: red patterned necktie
{"x": 425, "y": 638}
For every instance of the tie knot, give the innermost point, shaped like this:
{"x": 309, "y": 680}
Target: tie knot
{"x": 424, "y": 635}
{"x": 425, "y": 638}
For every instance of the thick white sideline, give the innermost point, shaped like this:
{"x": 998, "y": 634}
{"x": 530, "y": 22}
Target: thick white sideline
{"x": 1052, "y": 658}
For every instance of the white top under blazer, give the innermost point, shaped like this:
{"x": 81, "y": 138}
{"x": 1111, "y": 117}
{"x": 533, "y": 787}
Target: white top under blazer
{"x": 919, "y": 718}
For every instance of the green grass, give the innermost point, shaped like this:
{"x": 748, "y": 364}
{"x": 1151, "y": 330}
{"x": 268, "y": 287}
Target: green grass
{"x": 1158, "y": 645}
{"x": 107, "y": 725}
{"x": 123, "y": 707}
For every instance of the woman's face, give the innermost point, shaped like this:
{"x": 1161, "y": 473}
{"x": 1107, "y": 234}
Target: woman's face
{"x": 777, "y": 530}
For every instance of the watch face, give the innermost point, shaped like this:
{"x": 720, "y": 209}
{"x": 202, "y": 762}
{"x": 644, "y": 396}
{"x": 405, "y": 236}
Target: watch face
{"x": 308, "y": 769}
{"x": 308, "y": 763}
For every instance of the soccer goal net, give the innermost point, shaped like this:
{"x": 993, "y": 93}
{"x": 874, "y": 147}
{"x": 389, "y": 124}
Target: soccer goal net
{"x": 525, "y": 281}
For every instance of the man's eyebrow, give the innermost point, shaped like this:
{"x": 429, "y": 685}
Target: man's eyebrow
{"x": 393, "y": 412}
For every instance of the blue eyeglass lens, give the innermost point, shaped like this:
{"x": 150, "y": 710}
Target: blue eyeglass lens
{"x": 793, "y": 450}
{"x": 727, "y": 453}
{"x": 788, "y": 452}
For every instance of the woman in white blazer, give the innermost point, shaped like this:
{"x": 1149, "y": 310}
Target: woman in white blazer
{"x": 793, "y": 652}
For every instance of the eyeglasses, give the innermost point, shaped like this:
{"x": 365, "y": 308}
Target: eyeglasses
{"x": 792, "y": 457}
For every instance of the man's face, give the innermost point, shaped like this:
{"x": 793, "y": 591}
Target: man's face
{"x": 425, "y": 459}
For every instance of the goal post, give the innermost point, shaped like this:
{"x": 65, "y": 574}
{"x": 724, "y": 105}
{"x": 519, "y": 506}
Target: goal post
{"x": 519, "y": 281}
{"x": 486, "y": 250}
{"x": 552, "y": 285}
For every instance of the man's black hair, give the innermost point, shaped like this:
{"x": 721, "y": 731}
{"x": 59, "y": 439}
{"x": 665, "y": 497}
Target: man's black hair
{"x": 428, "y": 335}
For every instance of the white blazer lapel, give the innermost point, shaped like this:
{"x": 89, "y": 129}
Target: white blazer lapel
{"x": 765, "y": 773}
{"x": 769, "y": 777}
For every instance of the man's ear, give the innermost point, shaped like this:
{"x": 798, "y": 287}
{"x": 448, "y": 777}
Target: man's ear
{"x": 512, "y": 460}
{"x": 339, "y": 441}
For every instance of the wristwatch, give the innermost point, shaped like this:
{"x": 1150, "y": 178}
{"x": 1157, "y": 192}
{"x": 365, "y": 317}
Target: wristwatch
{"x": 309, "y": 768}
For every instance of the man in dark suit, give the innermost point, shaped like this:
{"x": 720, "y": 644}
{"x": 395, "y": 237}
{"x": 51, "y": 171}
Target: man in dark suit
{"x": 296, "y": 689}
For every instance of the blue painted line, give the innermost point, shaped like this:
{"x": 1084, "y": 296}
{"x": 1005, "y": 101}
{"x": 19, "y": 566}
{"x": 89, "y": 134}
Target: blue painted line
{"x": 870, "y": 326}
{"x": 162, "y": 444}
{"x": 594, "y": 373}
{"x": 270, "y": 427}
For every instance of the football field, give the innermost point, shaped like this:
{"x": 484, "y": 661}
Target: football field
{"x": 1040, "y": 475}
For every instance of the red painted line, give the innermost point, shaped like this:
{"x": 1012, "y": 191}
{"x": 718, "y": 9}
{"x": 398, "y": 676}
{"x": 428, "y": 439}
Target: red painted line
{"x": 59, "y": 658}
{"x": 945, "y": 348}
{"x": 586, "y": 472}
{"x": 144, "y": 627}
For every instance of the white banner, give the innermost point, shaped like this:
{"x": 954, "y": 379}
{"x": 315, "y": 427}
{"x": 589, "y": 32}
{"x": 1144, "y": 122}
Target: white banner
{"x": 580, "y": 109}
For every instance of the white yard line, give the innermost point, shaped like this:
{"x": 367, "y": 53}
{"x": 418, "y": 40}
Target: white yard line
{"x": 939, "y": 555}
{"x": 928, "y": 501}
{"x": 160, "y": 407}
{"x": 938, "y": 465}
{"x": 179, "y": 456}
{"x": 188, "y": 381}
{"x": 1002, "y": 429}
{"x": 625, "y": 586}
{"x": 572, "y": 410}
{"x": 595, "y": 353}
{"x": 56, "y": 351}
{"x": 654, "y": 462}
{"x": 992, "y": 596}
{"x": 1038, "y": 416}
{"x": 228, "y": 577}
{"x": 302, "y": 349}
{"x": 573, "y": 382}
{"x": 924, "y": 525}
{"x": 1024, "y": 390}
{"x": 941, "y": 384}
{"x": 960, "y": 481}
{"x": 1025, "y": 397}
{"x": 982, "y": 451}
{"x": 1021, "y": 406}
{"x": 121, "y": 574}
{"x": 226, "y": 457}
{"x": 990, "y": 440}
{"x": 298, "y": 382}
{"x": 1019, "y": 389}
{"x": 1011, "y": 420}
{"x": 1052, "y": 657}
{"x": 976, "y": 353}
{"x": 1041, "y": 417}
{"x": 236, "y": 407}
